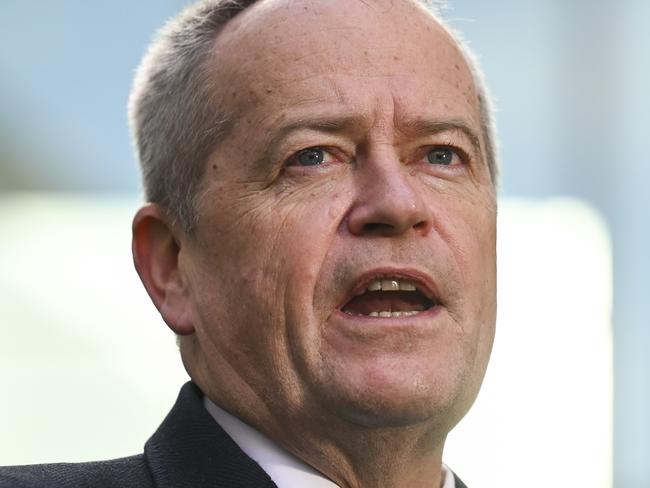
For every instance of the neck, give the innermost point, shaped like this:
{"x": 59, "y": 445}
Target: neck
{"x": 359, "y": 456}
{"x": 349, "y": 453}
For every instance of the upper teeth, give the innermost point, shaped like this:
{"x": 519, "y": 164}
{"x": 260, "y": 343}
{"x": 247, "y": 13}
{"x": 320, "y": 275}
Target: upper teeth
{"x": 390, "y": 285}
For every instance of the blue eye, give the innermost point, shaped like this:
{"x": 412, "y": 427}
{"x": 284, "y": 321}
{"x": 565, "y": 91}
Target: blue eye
{"x": 441, "y": 155}
{"x": 311, "y": 157}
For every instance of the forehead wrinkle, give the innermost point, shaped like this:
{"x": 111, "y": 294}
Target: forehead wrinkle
{"x": 338, "y": 92}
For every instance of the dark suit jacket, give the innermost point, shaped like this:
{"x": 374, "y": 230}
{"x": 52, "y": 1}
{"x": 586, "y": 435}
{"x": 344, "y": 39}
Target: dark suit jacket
{"x": 189, "y": 450}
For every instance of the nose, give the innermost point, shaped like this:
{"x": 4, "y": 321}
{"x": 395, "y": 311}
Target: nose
{"x": 389, "y": 202}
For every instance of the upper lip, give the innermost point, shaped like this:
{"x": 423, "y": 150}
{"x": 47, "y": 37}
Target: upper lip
{"x": 421, "y": 280}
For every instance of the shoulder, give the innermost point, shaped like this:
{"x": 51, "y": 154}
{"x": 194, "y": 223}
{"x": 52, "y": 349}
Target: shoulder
{"x": 124, "y": 473}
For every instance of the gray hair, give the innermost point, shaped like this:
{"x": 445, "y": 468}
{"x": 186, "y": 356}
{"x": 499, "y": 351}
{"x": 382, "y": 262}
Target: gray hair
{"x": 173, "y": 114}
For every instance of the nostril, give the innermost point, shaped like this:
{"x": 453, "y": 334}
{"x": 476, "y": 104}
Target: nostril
{"x": 389, "y": 214}
{"x": 384, "y": 229}
{"x": 376, "y": 227}
{"x": 422, "y": 225}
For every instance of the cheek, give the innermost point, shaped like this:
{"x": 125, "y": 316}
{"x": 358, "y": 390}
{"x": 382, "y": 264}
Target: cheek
{"x": 301, "y": 225}
{"x": 479, "y": 276}
{"x": 468, "y": 226}
{"x": 270, "y": 245}
{"x": 470, "y": 233}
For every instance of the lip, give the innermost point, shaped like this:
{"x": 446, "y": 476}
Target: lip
{"x": 423, "y": 281}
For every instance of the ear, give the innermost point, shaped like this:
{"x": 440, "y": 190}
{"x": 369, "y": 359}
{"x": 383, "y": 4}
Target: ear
{"x": 156, "y": 248}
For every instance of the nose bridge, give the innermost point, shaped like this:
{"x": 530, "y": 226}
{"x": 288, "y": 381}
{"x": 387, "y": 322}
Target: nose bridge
{"x": 389, "y": 199}
{"x": 386, "y": 180}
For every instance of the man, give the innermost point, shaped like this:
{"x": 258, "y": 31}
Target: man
{"x": 321, "y": 237}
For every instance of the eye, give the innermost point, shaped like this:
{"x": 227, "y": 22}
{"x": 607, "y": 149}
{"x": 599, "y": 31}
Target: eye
{"x": 312, "y": 156}
{"x": 441, "y": 155}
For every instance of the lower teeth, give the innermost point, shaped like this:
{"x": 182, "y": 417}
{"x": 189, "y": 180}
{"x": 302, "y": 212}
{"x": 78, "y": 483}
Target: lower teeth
{"x": 393, "y": 314}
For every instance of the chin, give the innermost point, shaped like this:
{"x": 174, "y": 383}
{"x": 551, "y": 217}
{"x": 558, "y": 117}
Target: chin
{"x": 395, "y": 414}
{"x": 396, "y": 401}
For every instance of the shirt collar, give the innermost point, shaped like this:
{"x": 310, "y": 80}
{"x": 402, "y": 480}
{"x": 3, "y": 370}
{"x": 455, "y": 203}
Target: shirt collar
{"x": 286, "y": 470}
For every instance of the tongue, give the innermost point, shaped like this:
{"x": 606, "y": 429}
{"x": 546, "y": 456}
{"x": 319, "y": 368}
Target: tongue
{"x": 383, "y": 301}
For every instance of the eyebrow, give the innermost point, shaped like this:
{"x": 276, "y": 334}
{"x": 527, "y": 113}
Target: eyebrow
{"x": 319, "y": 124}
{"x": 354, "y": 122}
{"x": 424, "y": 126}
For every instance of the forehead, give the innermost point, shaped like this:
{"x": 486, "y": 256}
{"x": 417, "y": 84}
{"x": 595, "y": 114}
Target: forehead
{"x": 302, "y": 54}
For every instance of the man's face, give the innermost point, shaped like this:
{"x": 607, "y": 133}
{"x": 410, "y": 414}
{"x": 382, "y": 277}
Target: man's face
{"x": 344, "y": 260}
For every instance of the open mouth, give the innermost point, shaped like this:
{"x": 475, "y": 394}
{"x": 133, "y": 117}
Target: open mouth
{"x": 390, "y": 297}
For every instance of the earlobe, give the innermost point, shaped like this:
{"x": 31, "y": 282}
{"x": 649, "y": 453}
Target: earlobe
{"x": 156, "y": 251}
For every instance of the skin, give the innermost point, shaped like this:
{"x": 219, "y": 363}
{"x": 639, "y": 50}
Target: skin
{"x": 256, "y": 290}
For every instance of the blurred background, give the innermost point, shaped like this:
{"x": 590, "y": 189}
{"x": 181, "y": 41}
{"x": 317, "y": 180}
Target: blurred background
{"x": 87, "y": 369}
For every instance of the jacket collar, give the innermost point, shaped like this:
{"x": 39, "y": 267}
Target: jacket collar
{"x": 190, "y": 450}
{"x": 459, "y": 483}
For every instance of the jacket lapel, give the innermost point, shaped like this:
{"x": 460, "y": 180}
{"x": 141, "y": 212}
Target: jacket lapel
{"x": 190, "y": 450}
{"x": 459, "y": 483}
